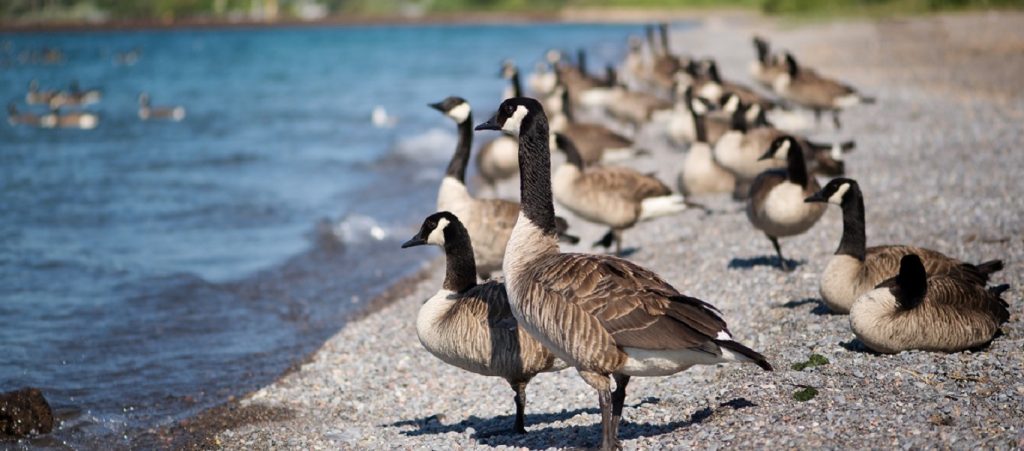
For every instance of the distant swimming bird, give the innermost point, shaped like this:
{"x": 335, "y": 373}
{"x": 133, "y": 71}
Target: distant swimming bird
{"x": 942, "y": 313}
{"x": 73, "y": 119}
{"x": 605, "y": 316}
{"x": 36, "y": 97}
{"x": 76, "y": 96}
{"x": 147, "y": 112}
{"x": 776, "y": 203}
{"x": 14, "y": 117}
{"x": 856, "y": 269}
{"x": 470, "y": 325}
{"x": 381, "y": 119}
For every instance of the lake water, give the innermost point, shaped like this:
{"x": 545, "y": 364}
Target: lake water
{"x": 150, "y": 270}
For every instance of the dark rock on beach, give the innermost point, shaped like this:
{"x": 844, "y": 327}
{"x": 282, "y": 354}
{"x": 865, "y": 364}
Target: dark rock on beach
{"x": 24, "y": 412}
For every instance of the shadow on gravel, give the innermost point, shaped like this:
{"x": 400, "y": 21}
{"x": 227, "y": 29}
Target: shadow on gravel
{"x": 819, "y": 307}
{"x": 764, "y": 260}
{"x": 855, "y": 345}
{"x": 496, "y": 431}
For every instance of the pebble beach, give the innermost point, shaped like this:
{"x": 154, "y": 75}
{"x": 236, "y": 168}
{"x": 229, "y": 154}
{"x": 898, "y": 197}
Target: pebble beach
{"x": 938, "y": 159}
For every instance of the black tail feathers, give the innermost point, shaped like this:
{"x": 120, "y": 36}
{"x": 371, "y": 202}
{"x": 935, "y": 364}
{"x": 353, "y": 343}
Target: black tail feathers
{"x": 746, "y": 352}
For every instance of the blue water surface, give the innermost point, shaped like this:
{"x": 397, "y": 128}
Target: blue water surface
{"x": 149, "y": 270}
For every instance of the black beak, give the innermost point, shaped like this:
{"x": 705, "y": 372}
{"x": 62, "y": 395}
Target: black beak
{"x": 437, "y": 106}
{"x": 816, "y": 197}
{"x": 491, "y": 124}
{"x": 414, "y": 241}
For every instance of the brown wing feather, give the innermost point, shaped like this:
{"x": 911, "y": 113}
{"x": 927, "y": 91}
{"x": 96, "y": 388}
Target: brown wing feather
{"x": 633, "y": 304}
{"x": 625, "y": 182}
{"x": 963, "y": 297}
{"x": 885, "y": 261}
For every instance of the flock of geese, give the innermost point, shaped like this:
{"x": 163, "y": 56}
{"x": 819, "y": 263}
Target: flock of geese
{"x": 610, "y": 318}
{"x": 57, "y": 103}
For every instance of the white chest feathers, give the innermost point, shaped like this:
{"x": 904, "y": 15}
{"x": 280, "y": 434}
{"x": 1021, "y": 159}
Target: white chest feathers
{"x": 453, "y": 196}
{"x": 428, "y": 321}
{"x": 785, "y": 208}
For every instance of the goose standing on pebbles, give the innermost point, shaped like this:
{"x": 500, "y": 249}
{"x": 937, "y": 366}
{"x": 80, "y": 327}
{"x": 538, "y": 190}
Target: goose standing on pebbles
{"x": 498, "y": 159}
{"x": 701, "y": 174}
{"x": 595, "y": 142}
{"x": 603, "y": 315}
{"x": 913, "y": 310}
{"x": 776, "y": 203}
{"x": 615, "y": 196}
{"x": 489, "y": 221}
{"x": 807, "y": 88}
{"x": 856, "y": 269}
{"x": 470, "y": 326}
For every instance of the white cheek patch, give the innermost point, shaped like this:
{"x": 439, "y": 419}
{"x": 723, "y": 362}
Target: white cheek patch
{"x": 752, "y": 113}
{"x": 837, "y": 197}
{"x": 783, "y": 151}
{"x": 460, "y": 113}
{"x": 437, "y": 235}
{"x": 698, "y": 107}
{"x": 781, "y": 82}
{"x": 837, "y": 152}
{"x": 513, "y": 123}
{"x": 732, "y": 104}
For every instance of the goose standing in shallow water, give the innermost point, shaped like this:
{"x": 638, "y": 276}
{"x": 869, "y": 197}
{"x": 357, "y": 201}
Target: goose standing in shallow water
{"x": 603, "y": 315}
{"x": 776, "y": 203}
{"x": 913, "y": 310}
{"x": 470, "y": 326}
{"x": 615, "y": 196}
{"x": 489, "y": 221}
{"x": 856, "y": 269}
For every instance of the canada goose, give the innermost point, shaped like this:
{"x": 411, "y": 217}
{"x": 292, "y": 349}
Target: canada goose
{"x": 856, "y": 269}
{"x": 635, "y": 108}
{"x": 739, "y": 149}
{"x": 603, "y": 315}
{"x": 776, "y": 203}
{"x": 701, "y": 174}
{"x": 595, "y": 142}
{"x": 682, "y": 122}
{"x": 543, "y": 79}
{"x": 807, "y": 88}
{"x": 75, "y": 96}
{"x": 74, "y": 119}
{"x": 664, "y": 65}
{"x": 585, "y": 88}
{"x": 634, "y": 67}
{"x": 14, "y": 117}
{"x": 470, "y": 326}
{"x": 768, "y": 66}
{"x": 176, "y": 113}
{"x": 36, "y": 97}
{"x": 489, "y": 221}
{"x": 710, "y": 85}
{"x": 914, "y": 310}
{"x": 615, "y": 196}
{"x": 510, "y": 72}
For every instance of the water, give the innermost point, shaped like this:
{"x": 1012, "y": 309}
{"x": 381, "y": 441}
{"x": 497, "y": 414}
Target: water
{"x": 149, "y": 270}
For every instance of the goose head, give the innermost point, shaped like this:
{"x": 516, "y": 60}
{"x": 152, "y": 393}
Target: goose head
{"x": 780, "y": 148}
{"x": 835, "y": 192}
{"x": 508, "y": 69}
{"x": 434, "y": 230}
{"x": 454, "y": 107}
{"x": 514, "y": 116}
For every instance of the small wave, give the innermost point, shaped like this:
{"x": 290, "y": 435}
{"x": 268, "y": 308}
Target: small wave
{"x": 351, "y": 229}
{"x": 435, "y": 144}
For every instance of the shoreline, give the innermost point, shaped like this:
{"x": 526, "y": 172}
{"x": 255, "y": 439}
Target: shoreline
{"x": 572, "y": 15}
{"x": 279, "y": 413}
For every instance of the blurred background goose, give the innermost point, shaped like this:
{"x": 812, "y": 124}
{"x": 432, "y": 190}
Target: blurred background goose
{"x": 148, "y": 112}
{"x": 805, "y": 87}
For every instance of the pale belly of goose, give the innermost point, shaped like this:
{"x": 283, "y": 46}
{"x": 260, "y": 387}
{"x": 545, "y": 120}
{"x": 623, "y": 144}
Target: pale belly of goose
{"x": 591, "y": 204}
{"x": 784, "y": 212}
{"x": 452, "y": 343}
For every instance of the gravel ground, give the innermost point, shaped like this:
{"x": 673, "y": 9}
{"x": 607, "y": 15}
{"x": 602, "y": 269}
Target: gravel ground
{"x": 937, "y": 160}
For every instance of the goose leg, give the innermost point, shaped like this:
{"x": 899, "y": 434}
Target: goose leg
{"x": 606, "y": 240}
{"x": 817, "y": 117}
{"x": 835, "y": 119}
{"x": 520, "y": 398}
{"x": 618, "y": 399}
{"x": 600, "y": 382}
{"x": 618, "y": 241}
{"x": 778, "y": 251}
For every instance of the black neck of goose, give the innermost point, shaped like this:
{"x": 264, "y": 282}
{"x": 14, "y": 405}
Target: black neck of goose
{"x": 566, "y": 106}
{"x": 460, "y": 271}
{"x": 535, "y": 175}
{"x": 739, "y": 120}
{"x": 457, "y": 166}
{"x": 517, "y": 87}
{"x": 854, "y": 241}
{"x": 700, "y": 125}
{"x": 796, "y": 169}
{"x": 572, "y": 154}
